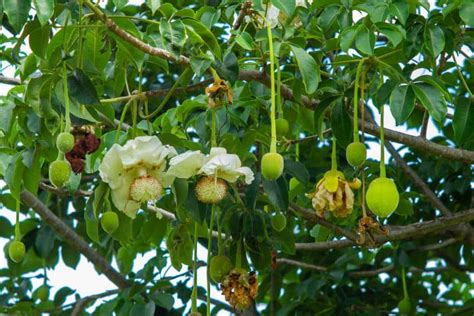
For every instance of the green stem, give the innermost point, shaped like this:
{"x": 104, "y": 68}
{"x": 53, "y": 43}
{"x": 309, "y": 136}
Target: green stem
{"x": 170, "y": 93}
{"x": 356, "y": 101}
{"x": 405, "y": 291}
{"x": 134, "y": 118}
{"x": 279, "y": 103}
{"x": 333, "y": 155}
{"x": 195, "y": 285}
{"x": 209, "y": 250}
{"x": 213, "y": 128}
{"x": 66, "y": 99}
{"x": 214, "y": 73}
{"x": 461, "y": 76}
{"x": 297, "y": 151}
{"x": 17, "y": 223}
{"x": 272, "y": 88}
{"x": 382, "y": 144}
{"x": 122, "y": 118}
{"x": 220, "y": 247}
{"x": 238, "y": 257}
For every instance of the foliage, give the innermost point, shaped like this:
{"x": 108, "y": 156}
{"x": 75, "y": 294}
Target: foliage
{"x": 120, "y": 88}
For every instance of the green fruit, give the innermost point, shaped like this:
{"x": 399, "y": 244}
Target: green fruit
{"x": 16, "y": 251}
{"x": 282, "y": 127}
{"x": 65, "y": 142}
{"x": 382, "y": 197}
{"x": 59, "y": 172}
{"x": 42, "y": 293}
{"x": 272, "y": 166}
{"x": 109, "y": 222}
{"x": 405, "y": 306}
{"x": 356, "y": 153}
{"x": 278, "y": 222}
{"x": 219, "y": 267}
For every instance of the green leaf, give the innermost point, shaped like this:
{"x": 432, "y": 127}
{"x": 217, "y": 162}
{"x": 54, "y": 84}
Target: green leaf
{"x": 466, "y": 12}
{"x": 44, "y": 242}
{"x": 207, "y": 37}
{"x": 164, "y": 300}
{"x": 180, "y": 246}
{"x": 400, "y": 10}
{"x": 432, "y": 99}
{"x": 394, "y": 33}
{"x": 173, "y": 35}
{"x": 402, "y": 103}
{"x": 125, "y": 257}
{"x": 14, "y": 175}
{"x": 82, "y": 89}
{"x": 147, "y": 309}
{"x": 70, "y": 256}
{"x": 287, "y": 6}
{"x": 153, "y": 5}
{"x": 297, "y": 170}
{"x": 347, "y": 37}
{"x": 229, "y": 68}
{"x": 463, "y": 120}
{"x": 200, "y": 64}
{"x": 434, "y": 40}
{"x": 98, "y": 199}
{"x": 92, "y": 223}
{"x": 277, "y": 192}
{"x": 245, "y": 40}
{"x": 365, "y": 40}
{"x": 62, "y": 294}
{"x": 17, "y": 12}
{"x": 341, "y": 124}
{"x": 39, "y": 40}
{"x": 44, "y": 10}
{"x": 309, "y": 69}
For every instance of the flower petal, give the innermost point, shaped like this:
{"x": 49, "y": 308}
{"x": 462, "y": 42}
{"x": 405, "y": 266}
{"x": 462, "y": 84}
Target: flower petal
{"x": 111, "y": 167}
{"x": 186, "y": 164}
{"x": 248, "y": 173}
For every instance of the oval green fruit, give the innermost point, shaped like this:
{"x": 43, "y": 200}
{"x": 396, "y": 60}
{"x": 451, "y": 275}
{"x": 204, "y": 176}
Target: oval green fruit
{"x": 282, "y": 127}
{"x": 356, "y": 153}
{"x": 382, "y": 197}
{"x": 65, "y": 142}
{"x": 16, "y": 251}
{"x": 109, "y": 222}
{"x": 278, "y": 222}
{"x": 219, "y": 267}
{"x": 272, "y": 166}
{"x": 42, "y": 293}
{"x": 405, "y": 306}
{"x": 59, "y": 172}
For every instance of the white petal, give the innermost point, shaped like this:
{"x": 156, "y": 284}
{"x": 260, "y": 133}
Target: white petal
{"x": 186, "y": 164}
{"x": 248, "y": 173}
{"x": 216, "y": 151}
{"x": 221, "y": 163}
{"x": 111, "y": 167}
{"x": 272, "y": 15}
{"x": 145, "y": 150}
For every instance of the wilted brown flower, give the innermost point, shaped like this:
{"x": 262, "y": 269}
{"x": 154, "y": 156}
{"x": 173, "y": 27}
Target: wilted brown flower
{"x": 217, "y": 92}
{"x": 333, "y": 194}
{"x": 240, "y": 288}
{"x": 85, "y": 143}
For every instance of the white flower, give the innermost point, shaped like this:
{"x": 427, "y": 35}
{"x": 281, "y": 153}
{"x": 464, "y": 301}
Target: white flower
{"x": 136, "y": 173}
{"x": 218, "y": 164}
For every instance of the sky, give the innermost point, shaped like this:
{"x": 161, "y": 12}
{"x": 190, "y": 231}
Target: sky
{"x": 85, "y": 275}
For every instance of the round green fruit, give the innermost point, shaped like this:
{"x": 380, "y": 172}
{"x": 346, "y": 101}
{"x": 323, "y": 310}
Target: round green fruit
{"x": 42, "y": 293}
{"x": 59, "y": 172}
{"x": 278, "y": 222}
{"x": 219, "y": 267}
{"x": 382, "y": 197}
{"x": 272, "y": 166}
{"x": 282, "y": 127}
{"x": 65, "y": 142}
{"x": 405, "y": 306}
{"x": 109, "y": 222}
{"x": 356, "y": 153}
{"x": 16, "y": 251}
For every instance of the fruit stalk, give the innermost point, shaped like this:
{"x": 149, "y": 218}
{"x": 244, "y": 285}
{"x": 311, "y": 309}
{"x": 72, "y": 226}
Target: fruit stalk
{"x": 209, "y": 249}
{"x": 405, "y": 291}
{"x": 220, "y": 248}
{"x": 272, "y": 86}
{"x": 17, "y": 221}
{"x": 356, "y": 101}
{"x": 333, "y": 155}
{"x": 66, "y": 99}
{"x": 122, "y": 118}
{"x": 278, "y": 94}
{"x": 238, "y": 257}
{"x": 213, "y": 128}
{"x": 382, "y": 144}
{"x": 194, "y": 293}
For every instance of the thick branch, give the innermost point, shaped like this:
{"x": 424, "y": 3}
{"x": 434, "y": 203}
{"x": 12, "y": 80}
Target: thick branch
{"x": 10, "y": 81}
{"x": 73, "y": 239}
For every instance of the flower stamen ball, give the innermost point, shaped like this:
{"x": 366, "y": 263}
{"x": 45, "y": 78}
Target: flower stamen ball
{"x": 211, "y": 190}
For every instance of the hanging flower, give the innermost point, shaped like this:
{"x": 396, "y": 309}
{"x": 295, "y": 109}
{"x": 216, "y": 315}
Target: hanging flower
{"x": 334, "y": 194}
{"x": 240, "y": 288}
{"x": 217, "y": 93}
{"x": 217, "y": 169}
{"x": 136, "y": 173}
{"x": 275, "y": 16}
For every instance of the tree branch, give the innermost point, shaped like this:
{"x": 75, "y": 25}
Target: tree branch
{"x": 73, "y": 239}
{"x": 10, "y": 81}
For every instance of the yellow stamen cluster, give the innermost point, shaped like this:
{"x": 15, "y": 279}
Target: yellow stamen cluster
{"x": 240, "y": 288}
